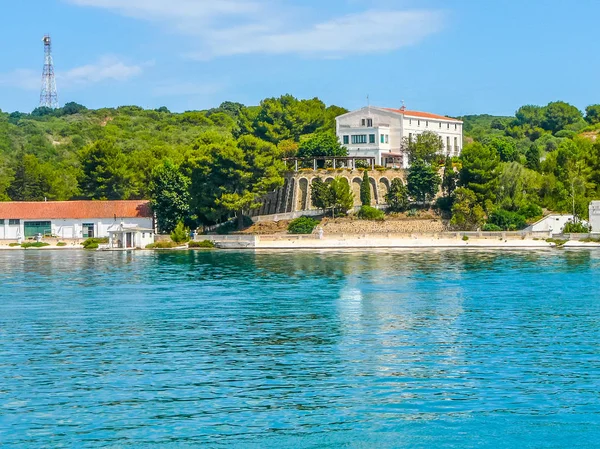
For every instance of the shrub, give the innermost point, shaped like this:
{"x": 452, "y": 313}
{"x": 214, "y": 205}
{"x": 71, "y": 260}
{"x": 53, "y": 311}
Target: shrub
{"x": 576, "y": 228}
{"x": 34, "y": 244}
{"x": 413, "y": 213}
{"x": 370, "y": 213}
{"x": 302, "y": 225}
{"x": 203, "y": 244}
{"x": 491, "y": 227}
{"x": 61, "y": 244}
{"x": 12, "y": 245}
{"x": 161, "y": 245}
{"x": 444, "y": 203}
{"x": 93, "y": 243}
{"x": 180, "y": 234}
{"x": 506, "y": 220}
{"x": 530, "y": 211}
{"x": 465, "y": 238}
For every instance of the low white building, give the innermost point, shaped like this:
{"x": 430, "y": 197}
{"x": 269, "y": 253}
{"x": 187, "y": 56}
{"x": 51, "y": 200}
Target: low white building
{"x": 71, "y": 219}
{"x": 128, "y": 237}
{"x": 595, "y": 216}
{"x": 551, "y": 223}
{"x": 382, "y": 132}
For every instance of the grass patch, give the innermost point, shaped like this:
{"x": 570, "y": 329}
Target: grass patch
{"x": 557, "y": 242}
{"x": 94, "y": 243}
{"x": 162, "y": 245}
{"x": 61, "y": 244}
{"x": 12, "y": 245}
{"x": 205, "y": 244}
{"x": 371, "y": 213}
{"x": 590, "y": 240}
{"x": 34, "y": 244}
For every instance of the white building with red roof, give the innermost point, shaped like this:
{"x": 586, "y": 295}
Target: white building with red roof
{"x": 72, "y": 219}
{"x": 383, "y": 132}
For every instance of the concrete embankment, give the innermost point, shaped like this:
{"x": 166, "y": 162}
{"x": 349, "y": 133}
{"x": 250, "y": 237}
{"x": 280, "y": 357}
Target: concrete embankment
{"x": 337, "y": 241}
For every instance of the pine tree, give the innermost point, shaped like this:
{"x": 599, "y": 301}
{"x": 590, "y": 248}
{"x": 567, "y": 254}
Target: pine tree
{"x": 365, "y": 190}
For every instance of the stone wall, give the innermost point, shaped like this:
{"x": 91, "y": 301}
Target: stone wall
{"x": 295, "y": 195}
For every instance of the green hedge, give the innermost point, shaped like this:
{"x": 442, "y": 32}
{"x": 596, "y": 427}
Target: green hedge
{"x": 34, "y": 244}
{"x": 93, "y": 243}
{"x": 370, "y": 213}
{"x": 203, "y": 244}
{"x": 302, "y": 225}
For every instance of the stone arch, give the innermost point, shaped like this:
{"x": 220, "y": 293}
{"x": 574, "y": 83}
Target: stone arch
{"x": 302, "y": 196}
{"x": 374, "y": 192}
{"x": 384, "y": 188}
{"x": 356, "y": 182}
{"x": 328, "y": 180}
{"x": 290, "y": 195}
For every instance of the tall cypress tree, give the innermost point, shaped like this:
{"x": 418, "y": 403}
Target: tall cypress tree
{"x": 365, "y": 190}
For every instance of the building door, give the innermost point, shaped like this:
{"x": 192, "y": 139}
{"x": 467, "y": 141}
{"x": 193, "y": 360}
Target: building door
{"x": 129, "y": 239}
{"x": 87, "y": 230}
{"x": 33, "y": 228}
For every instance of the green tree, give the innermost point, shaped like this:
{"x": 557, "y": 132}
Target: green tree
{"x": 322, "y": 144}
{"x": 398, "y": 196}
{"x": 31, "y": 182}
{"x": 365, "y": 190}
{"x": 341, "y": 196}
{"x": 592, "y": 114}
{"x": 533, "y": 158}
{"x": 529, "y": 115}
{"x": 467, "y": 214}
{"x": 558, "y": 115}
{"x": 505, "y": 147}
{"x": 169, "y": 196}
{"x": 319, "y": 194}
{"x": 180, "y": 234}
{"x": 106, "y": 174}
{"x": 427, "y": 147}
{"x": 479, "y": 173}
{"x": 423, "y": 181}
{"x": 230, "y": 177}
{"x": 449, "y": 179}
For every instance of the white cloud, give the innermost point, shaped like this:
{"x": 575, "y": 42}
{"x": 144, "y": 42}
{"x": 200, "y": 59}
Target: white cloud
{"x": 22, "y": 79}
{"x": 109, "y": 68}
{"x": 106, "y": 68}
{"x": 233, "y": 27}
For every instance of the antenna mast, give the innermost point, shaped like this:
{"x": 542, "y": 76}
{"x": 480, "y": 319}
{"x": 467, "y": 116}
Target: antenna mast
{"x": 49, "y": 95}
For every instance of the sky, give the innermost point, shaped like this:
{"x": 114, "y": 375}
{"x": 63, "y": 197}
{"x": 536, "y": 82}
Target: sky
{"x": 455, "y": 58}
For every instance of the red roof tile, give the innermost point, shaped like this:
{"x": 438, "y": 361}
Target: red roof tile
{"x": 421, "y": 114}
{"x": 74, "y": 209}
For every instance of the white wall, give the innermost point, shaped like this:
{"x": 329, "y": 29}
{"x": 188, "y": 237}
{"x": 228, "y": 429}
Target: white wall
{"x": 448, "y": 129}
{"x": 552, "y": 223}
{"x": 595, "y": 216}
{"x": 72, "y": 228}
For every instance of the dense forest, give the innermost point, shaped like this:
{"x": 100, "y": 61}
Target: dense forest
{"x": 201, "y": 166}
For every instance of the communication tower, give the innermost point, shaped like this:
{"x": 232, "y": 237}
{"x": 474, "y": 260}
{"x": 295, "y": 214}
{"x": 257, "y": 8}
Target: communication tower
{"x": 49, "y": 95}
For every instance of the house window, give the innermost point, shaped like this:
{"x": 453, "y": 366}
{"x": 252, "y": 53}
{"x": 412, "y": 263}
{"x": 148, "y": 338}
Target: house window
{"x": 448, "y": 125}
{"x": 371, "y": 138}
{"x": 387, "y": 138}
{"x": 410, "y": 137}
{"x": 440, "y": 125}
{"x": 448, "y": 143}
{"x": 362, "y": 122}
{"x": 418, "y": 122}
{"x": 455, "y": 126}
{"x": 359, "y": 138}
{"x": 427, "y": 123}
{"x": 1, "y": 221}
{"x": 410, "y": 121}
{"x": 456, "y": 144}
{"x": 382, "y": 138}
{"x": 346, "y": 140}
{"x": 14, "y": 222}
{"x": 370, "y": 122}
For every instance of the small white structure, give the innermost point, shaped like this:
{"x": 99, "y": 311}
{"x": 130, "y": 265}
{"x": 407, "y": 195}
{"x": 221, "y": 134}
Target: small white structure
{"x": 551, "y": 223}
{"x": 129, "y": 237}
{"x": 381, "y": 133}
{"x": 595, "y": 216}
{"x": 71, "y": 219}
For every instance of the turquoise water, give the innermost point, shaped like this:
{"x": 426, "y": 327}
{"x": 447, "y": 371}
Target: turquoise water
{"x": 300, "y": 350}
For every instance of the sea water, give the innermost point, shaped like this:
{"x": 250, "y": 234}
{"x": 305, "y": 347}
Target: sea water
{"x": 371, "y": 349}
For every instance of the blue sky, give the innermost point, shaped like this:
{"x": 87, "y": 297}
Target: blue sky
{"x": 459, "y": 57}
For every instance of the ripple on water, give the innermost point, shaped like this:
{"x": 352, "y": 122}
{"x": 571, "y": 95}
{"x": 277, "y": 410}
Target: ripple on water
{"x": 300, "y": 349}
